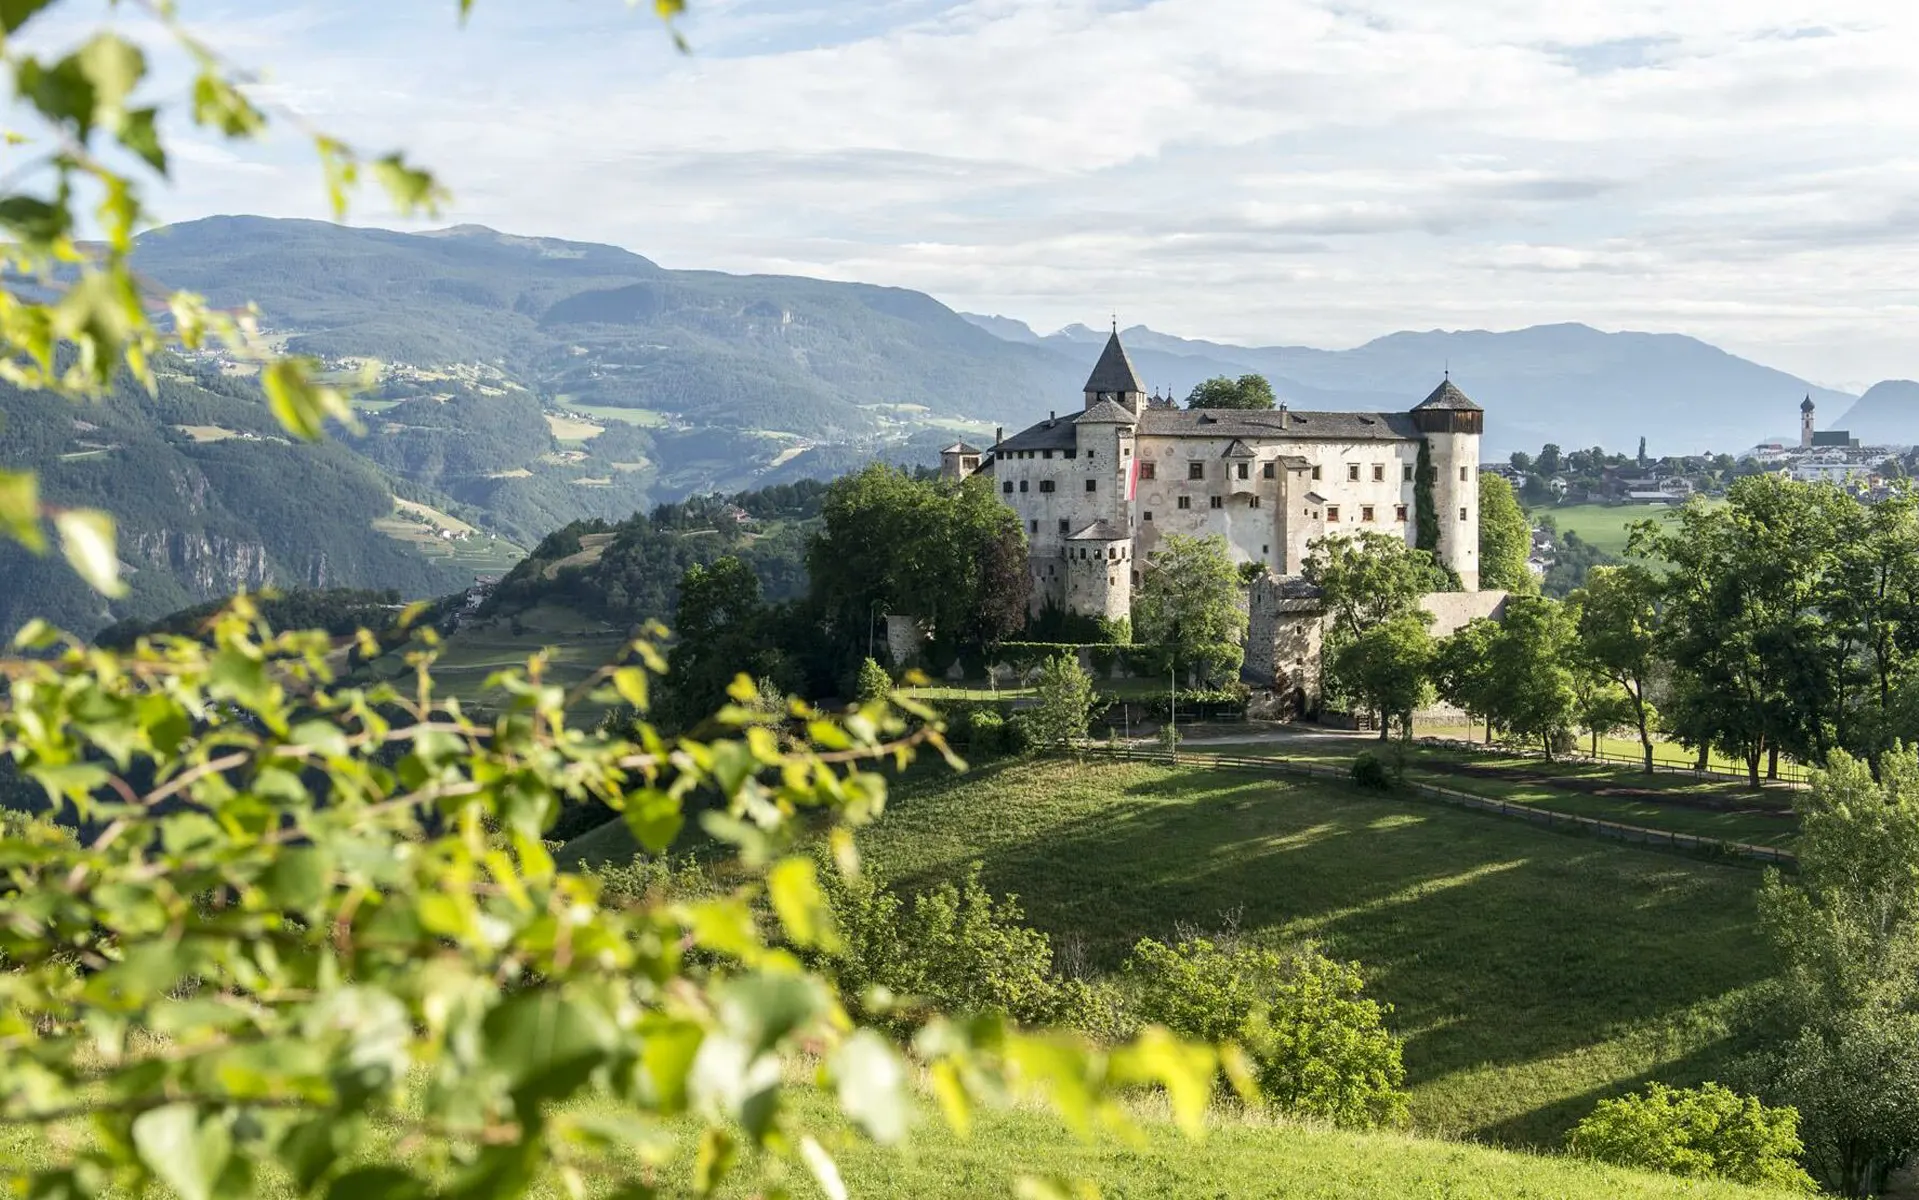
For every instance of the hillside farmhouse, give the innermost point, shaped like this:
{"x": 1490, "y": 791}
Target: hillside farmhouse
{"x": 1098, "y": 488}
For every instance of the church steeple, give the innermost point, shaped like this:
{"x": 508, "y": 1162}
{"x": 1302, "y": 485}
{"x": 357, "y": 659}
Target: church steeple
{"x": 1806, "y": 421}
{"x": 1113, "y": 377}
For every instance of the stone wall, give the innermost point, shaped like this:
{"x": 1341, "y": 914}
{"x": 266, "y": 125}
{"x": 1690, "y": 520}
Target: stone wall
{"x": 1453, "y": 609}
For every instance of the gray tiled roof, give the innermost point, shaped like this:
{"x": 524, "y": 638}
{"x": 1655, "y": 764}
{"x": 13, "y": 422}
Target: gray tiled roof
{"x": 1239, "y": 449}
{"x": 1806, "y": 405}
{"x": 1099, "y": 531}
{"x": 1106, "y": 413}
{"x": 961, "y": 448}
{"x": 1446, "y": 395}
{"x": 1047, "y": 435}
{"x": 1114, "y": 371}
{"x": 1273, "y": 425}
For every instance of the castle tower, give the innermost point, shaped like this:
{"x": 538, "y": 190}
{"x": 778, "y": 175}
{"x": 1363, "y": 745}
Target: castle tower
{"x": 1099, "y": 571}
{"x": 1806, "y": 410}
{"x": 1113, "y": 379}
{"x": 959, "y": 460}
{"x": 1451, "y": 425}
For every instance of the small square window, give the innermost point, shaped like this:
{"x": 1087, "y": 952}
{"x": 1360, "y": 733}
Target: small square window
{"x": 1266, "y": 470}
{"x": 1022, "y": 485}
{"x": 1089, "y": 456}
{"x": 1264, "y": 551}
{"x": 1092, "y": 485}
{"x": 1352, "y": 472}
{"x": 1075, "y": 453}
{"x": 1062, "y": 525}
{"x": 1379, "y": 472}
{"x": 1032, "y": 526}
{"x": 1315, "y": 472}
{"x": 1252, "y": 501}
{"x": 1462, "y": 475}
{"x": 1196, "y": 470}
{"x": 1046, "y": 454}
{"x": 1399, "y": 512}
{"x": 1045, "y": 485}
{"x": 1365, "y": 512}
{"x": 1406, "y": 473}
{"x": 1462, "y": 514}
{"x": 1219, "y": 502}
{"x": 1332, "y": 514}
{"x": 1242, "y": 470}
{"x": 1148, "y": 470}
{"x": 1185, "y": 501}
{"x": 1007, "y": 487}
{"x": 1147, "y": 515}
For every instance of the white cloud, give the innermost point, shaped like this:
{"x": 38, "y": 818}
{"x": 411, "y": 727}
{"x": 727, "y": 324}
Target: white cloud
{"x": 1305, "y": 171}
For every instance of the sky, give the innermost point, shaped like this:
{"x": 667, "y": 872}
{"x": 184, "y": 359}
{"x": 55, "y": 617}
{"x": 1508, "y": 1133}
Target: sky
{"x": 1302, "y": 172}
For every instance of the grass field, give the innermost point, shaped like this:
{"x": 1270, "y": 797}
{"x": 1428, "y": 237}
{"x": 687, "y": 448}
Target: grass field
{"x": 1532, "y": 973}
{"x": 482, "y": 552}
{"x": 1239, "y": 1157}
{"x": 1664, "y": 753}
{"x": 565, "y": 429}
{"x": 645, "y": 418}
{"x": 1604, "y": 525}
{"x": 577, "y": 647}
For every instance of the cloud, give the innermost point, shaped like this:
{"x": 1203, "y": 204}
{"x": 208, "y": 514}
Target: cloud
{"x": 1301, "y": 171}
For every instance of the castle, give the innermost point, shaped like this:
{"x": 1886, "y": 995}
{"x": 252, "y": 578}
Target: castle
{"x": 1097, "y": 489}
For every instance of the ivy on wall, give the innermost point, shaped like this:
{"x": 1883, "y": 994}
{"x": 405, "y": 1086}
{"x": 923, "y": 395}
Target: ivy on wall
{"x": 1425, "y": 512}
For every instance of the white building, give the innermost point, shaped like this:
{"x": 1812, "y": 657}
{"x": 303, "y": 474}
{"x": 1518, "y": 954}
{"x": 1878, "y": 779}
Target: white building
{"x": 1097, "y": 489}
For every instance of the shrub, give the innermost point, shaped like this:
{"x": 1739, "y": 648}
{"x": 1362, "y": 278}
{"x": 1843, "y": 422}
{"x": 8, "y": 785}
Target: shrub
{"x": 1709, "y": 1132}
{"x": 1318, "y": 1048}
{"x": 986, "y": 733}
{"x": 955, "y": 949}
{"x": 1371, "y": 772}
{"x": 872, "y": 683}
{"x": 1064, "y": 702}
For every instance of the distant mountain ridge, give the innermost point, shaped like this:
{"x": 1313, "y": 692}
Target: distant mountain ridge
{"x": 1888, "y": 414}
{"x": 1565, "y": 383}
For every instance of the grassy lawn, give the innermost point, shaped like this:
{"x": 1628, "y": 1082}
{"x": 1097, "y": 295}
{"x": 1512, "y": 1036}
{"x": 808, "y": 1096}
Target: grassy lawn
{"x": 1532, "y": 973}
{"x": 1239, "y": 1157}
{"x": 577, "y": 647}
{"x": 1664, "y": 753}
{"x": 1121, "y": 689}
{"x": 646, "y": 418}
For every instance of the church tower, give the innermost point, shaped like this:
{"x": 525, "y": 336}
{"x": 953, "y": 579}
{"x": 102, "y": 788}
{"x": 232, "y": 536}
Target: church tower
{"x": 1806, "y": 410}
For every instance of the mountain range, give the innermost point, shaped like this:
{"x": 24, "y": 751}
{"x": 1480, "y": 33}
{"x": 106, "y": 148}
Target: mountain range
{"x": 526, "y": 382}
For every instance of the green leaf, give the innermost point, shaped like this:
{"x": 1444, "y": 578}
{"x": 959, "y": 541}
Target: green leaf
{"x": 20, "y": 490}
{"x": 655, "y": 818}
{"x": 219, "y": 104}
{"x": 411, "y": 189}
{"x": 872, "y": 1086}
{"x": 546, "y": 1045}
{"x": 321, "y": 737}
{"x": 802, "y": 908}
{"x": 139, "y": 134}
{"x": 631, "y": 682}
{"x": 35, "y": 220}
{"x": 184, "y": 1150}
{"x": 15, "y": 13}
{"x": 86, "y": 538}
{"x": 299, "y": 878}
{"x": 666, "y": 1061}
{"x": 762, "y": 1009}
{"x": 299, "y": 404}
{"x": 717, "y": 1156}
{"x": 114, "y": 66}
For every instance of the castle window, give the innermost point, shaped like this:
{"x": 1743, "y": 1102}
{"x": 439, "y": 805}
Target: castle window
{"x": 1462, "y": 474}
{"x": 1264, "y": 551}
{"x": 1148, "y": 470}
{"x": 1352, "y": 472}
{"x": 1462, "y": 514}
{"x": 1399, "y": 512}
{"x": 1185, "y": 501}
{"x": 1266, "y": 470}
{"x": 969, "y": 463}
{"x": 1365, "y": 512}
{"x": 1032, "y": 526}
{"x": 1046, "y": 454}
{"x": 1135, "y": 578}
{"x": 1062, "y": 524}
{"x": 1196, "y": 470}
{"x": 1252, "y": 501}
{"x": 1379, "y": 472}
{"x": 1315, "y": 472}
{"x": 1147, "y": 515}
{"x": 1219, "y": 502}
{"x": 1332, "y": 514}
{"x": 1007, "y": 487}
{"x": 1126, "y": 451}
{"x": 1045, "y": 485}
{"x": 1092, "y": 485}
{"x": 1022, "y": 485}
{"x": 1242, "y": 470}
{"x": 1407, "y": 476}
{"x": 1112, "y": 553}
{"x": 1075, "y": 453}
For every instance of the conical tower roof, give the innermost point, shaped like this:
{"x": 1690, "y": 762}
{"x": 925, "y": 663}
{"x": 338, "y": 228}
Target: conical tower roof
{"x": 1114, "y": 371}
{"x": 1446, "y": 395}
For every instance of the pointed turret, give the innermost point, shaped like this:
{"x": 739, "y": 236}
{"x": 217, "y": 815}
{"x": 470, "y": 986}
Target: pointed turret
{"x": 1114, "y": 379}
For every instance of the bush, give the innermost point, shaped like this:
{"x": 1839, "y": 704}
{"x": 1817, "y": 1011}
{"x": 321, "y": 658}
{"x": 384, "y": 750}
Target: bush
{"x": 872, "y": 683}
{"x": 986, "y": 733}
{"x": 1371, "y": 772}
{"x": 1318, "y": 1048}
{"x": 1710, "y": 1132}
{"x": 954, "y": 949}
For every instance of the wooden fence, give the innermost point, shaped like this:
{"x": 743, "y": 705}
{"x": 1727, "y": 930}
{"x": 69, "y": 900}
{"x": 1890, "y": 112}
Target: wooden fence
{"x": 1615, "y": 830}
{"x": 1791, "y": 774}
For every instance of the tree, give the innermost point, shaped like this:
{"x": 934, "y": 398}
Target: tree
{"x": 1063, "y": 702}
{"x": 1369, "y": 579}
{"x": 1221, "y": 391}
{"x": 1548, "y": 462}
{"x": 1532, "y": 658}
{"x": 1388, "y": 668}
{"x": 873, "y": 682}
{"x": 1641, "y": 460}
{"x": 1425, "y": 507}
{"x": 1710, "y": 1132}
{"x": 1521, "y": 461}
{"x": 1189, "y": 603}
{"x": 1505, "y": 538}
{"x": 1465, "y": 672}
{"x": 724, "y": 629}
{"x": 1844, "y": 1013}
{"x": 1619, "y": 639}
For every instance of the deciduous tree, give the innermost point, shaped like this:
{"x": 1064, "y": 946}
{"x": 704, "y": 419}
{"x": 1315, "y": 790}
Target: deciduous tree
{"x": 1505, "y": 538}
{"x": 1222, "y": 391}
{"x": 1388, "y": 668}
{"x": 1063, "y": 701}
{"x": 1619, "y": 639}
{"x": 1189, "y": 602}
